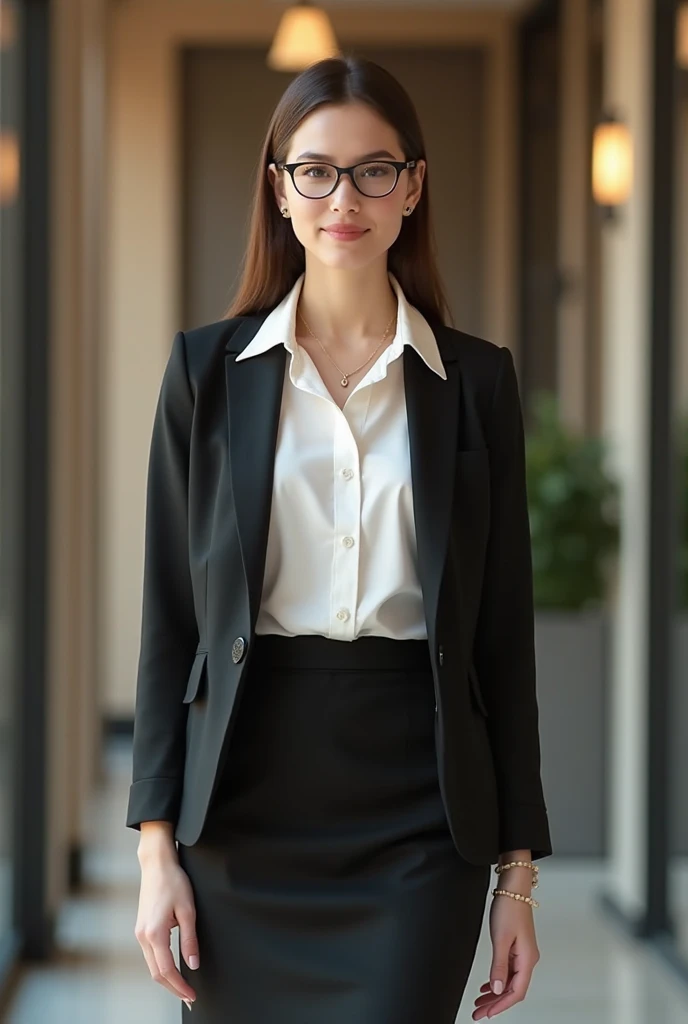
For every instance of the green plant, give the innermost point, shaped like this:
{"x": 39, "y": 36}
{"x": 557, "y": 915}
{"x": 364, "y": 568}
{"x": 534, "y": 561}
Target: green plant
{"x": 573, "y": 511}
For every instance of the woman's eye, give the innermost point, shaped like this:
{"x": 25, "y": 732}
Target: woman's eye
{"x": 314, "y": 171}
{"x": 375, "y": 170}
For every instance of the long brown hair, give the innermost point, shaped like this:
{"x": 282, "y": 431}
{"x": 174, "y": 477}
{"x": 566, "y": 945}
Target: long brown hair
{"x": 274, "y": 257}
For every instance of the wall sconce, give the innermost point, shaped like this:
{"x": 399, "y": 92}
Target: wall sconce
{"x": 304, "y": 36}
{"x": 8, "y": 26}
{"x": 682, "y": 36}
{"x": 10, "y": 166}
{"x": 612, "y": 165}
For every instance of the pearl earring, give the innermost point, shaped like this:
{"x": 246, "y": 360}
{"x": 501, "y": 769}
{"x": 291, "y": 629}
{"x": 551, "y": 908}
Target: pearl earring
{"x": 285, "y": 211}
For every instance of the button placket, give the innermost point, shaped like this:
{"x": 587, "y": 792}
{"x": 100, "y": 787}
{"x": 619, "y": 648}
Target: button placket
{"x": 347, "y": 510}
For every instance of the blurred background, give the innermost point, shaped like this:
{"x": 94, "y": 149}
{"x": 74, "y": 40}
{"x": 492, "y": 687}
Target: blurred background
{"x": 557, "y": 134}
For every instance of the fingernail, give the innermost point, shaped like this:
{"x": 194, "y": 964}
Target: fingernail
{"x": 497, "y": 987}
{"x": 188, "y": 1004}
{"x": 193, "y": 961}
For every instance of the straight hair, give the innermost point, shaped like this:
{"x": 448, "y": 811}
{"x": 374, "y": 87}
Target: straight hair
{"x": 274, "y": 258}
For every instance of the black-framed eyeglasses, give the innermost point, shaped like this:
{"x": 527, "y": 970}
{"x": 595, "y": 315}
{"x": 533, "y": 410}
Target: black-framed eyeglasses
{"x": 373, "y": 178}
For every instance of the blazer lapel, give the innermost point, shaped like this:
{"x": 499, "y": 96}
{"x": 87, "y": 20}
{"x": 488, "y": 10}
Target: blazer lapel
{"x": 432, "y": 409}
{"x": 254, "y": 398}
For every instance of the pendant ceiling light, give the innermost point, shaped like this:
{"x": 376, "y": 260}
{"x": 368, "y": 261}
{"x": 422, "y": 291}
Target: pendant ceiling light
{"x": 304, "y": 36}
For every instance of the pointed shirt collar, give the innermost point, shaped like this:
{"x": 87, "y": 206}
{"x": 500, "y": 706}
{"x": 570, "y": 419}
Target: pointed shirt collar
{"x": 279, "y": 327}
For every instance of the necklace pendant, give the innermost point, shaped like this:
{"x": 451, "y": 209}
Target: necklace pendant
{"x": 344, "y": 382}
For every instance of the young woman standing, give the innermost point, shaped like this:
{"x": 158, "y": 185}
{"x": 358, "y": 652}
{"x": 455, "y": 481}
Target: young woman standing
{"x": 336, "y": 714}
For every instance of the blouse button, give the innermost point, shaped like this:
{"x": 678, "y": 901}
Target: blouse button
{"x": 348, "y": 542}
{"x": 347, "y": 473}
{"x": 343, "y": 614}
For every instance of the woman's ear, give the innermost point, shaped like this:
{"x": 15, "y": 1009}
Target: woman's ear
{"x": 415, "y": 185}
{"x": 277, "y": 182}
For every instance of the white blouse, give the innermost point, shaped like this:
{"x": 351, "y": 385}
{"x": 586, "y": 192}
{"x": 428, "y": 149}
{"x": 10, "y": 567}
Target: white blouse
{"x": 341, "y": 552}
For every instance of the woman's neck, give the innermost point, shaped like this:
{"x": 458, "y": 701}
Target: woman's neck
{"x": 347, "y": 309}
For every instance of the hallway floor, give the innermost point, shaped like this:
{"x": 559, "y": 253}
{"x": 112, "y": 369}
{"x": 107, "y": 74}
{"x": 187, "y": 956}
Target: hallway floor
{"x": 588, "y": 973}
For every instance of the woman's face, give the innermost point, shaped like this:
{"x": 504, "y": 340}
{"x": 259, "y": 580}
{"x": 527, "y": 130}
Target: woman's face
{"x": 346, "y": 134}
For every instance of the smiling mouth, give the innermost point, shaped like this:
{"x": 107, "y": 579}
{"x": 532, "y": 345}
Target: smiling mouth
{"x": 345, "y": 232}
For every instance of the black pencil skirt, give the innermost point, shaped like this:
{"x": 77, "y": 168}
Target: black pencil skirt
{"x": 327, "y": 886}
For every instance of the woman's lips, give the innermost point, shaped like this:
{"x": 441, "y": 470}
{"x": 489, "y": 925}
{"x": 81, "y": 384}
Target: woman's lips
{"x": 345, "y": 235}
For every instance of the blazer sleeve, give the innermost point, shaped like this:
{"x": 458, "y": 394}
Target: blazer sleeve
{"x": 504, "y": 650}
{"x": 169, "y": 632}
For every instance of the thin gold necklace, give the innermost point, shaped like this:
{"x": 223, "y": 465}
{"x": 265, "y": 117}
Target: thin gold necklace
{"x": 345, "y": 376}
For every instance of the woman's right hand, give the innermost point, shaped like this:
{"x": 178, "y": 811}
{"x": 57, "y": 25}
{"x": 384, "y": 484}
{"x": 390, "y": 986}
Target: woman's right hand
{"x": 165, "y": 900}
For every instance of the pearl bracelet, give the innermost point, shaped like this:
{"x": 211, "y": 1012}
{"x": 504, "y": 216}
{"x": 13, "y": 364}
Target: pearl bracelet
{"x": 516, "y": 896}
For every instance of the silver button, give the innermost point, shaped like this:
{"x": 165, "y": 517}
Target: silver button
{"x": 347, "y": 473}
{"x": 348, "y": 542}
{"x": 238, "y": 649}
{"x": 343, "y": 614}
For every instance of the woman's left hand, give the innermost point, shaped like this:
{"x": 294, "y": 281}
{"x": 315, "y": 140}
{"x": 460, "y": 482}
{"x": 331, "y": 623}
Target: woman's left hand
{"x": 514, "y": 954}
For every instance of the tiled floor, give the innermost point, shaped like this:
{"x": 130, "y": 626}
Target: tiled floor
{"x": 588, "y": 974}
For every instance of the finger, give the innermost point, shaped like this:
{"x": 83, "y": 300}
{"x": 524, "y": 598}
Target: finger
{"x": 167, "y": 968}
{"x": 149, "y": 957}
{"x": 515, "y": 993}
{"x": 188, "y": 940}
{"x": 499, "y": 969}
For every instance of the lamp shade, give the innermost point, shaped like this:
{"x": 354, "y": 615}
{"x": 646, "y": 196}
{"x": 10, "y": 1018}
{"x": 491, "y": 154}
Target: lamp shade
{"x": 9, "y": 167}
{"x": 304, "y": 36}
{"x": 612, "y": 163}
{"x": 682, "y": 36}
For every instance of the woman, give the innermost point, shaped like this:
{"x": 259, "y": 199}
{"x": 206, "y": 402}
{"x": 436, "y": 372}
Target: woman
{"x": 336, "y": 714}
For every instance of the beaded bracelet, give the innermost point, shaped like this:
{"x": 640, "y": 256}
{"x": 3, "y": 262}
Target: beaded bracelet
{"x": 516, "y": 896}
{"x": 520, "y": 864}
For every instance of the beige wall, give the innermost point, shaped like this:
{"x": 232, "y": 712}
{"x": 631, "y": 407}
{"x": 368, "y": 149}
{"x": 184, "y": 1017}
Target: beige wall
{"x": 73, "y": 714}
{"x": 143, "y": 253}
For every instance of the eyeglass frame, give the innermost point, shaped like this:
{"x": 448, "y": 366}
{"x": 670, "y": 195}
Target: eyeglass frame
{"x": 398, "y": 165}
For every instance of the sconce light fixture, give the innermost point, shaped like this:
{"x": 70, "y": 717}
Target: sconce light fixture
{"x": 8, "y": 26}
{"x": 304, "y": 36}
{"x": 612, "y": 164}
{"x": 9, "y": 167}
{"x": 682, "y": 36}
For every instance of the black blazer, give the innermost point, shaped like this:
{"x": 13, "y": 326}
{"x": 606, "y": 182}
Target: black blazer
{"x": 207, "y": 515}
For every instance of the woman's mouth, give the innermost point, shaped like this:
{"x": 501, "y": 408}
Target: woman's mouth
{"x": 342, "y": 234}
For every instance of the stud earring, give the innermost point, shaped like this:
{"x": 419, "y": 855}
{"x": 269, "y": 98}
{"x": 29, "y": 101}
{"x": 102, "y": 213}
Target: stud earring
{"x": 409, "y": 209}
{"x": 285, "y": 211}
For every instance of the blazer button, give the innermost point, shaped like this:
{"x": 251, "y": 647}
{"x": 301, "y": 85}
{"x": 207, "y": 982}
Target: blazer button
{"x": 238, "y": 648}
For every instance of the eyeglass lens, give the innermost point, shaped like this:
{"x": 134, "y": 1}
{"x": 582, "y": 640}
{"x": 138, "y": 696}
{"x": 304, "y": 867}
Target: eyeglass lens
{"x": 317, "y": 180}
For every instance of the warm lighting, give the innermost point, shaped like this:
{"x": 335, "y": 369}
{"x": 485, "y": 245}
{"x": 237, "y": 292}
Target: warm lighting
{"x": 304, "y": 36}
{"x": 9, "y": 167}
{"x": 8, "y": 26}
{"x": 682, "y": 36}
{"x": 612, "y": 164}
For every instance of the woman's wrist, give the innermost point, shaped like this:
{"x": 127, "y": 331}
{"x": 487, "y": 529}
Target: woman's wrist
{"x": 157, "y": 841}
{"x": 518, "y": 879}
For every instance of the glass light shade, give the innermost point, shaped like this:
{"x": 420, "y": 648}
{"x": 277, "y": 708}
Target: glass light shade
{"x": 304, "y": 36}
{"x": 682, "y": 36}
{"x": 612, "y": 163}
{"x": 8, "y": 25}
{"x": 9, "y": 167}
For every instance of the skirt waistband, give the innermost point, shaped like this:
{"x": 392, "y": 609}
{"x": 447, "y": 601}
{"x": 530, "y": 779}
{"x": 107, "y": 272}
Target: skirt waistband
{"x": 322, "y": 652}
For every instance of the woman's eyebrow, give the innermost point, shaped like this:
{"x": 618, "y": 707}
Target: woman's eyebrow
{"x": 328, "y": 159}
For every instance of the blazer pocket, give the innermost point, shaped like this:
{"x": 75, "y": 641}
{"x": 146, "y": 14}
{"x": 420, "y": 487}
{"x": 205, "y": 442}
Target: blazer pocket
{"x": 196, "y": 677}
{"x": 475, "y": 688}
